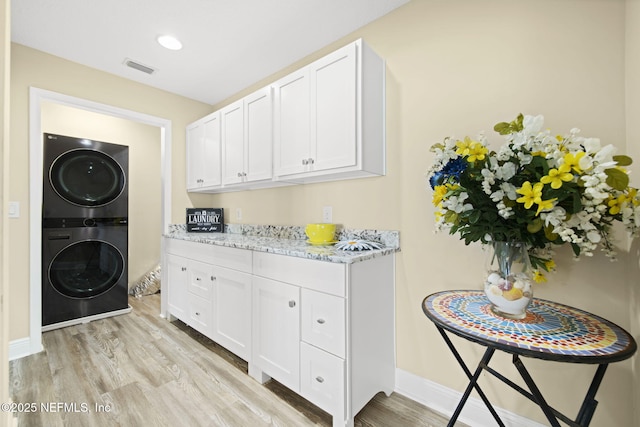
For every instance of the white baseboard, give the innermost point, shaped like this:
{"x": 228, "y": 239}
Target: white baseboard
{"x": 444, "y": 400}
{"x": 19, "y": 348}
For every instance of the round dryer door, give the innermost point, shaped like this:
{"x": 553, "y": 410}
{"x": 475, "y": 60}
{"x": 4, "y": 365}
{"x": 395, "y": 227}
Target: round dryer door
{"x": 86, "y": 269}
{"x": 87, "y": 178}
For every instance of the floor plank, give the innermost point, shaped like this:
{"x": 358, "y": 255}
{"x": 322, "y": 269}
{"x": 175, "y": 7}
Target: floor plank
{"x": 138, "y": 369}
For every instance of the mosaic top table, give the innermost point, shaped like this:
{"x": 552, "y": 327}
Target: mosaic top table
{"x": 550, "y": 331}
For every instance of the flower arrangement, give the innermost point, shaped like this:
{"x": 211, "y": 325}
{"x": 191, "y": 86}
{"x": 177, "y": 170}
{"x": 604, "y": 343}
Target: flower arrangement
{"x": 537, "y": 188}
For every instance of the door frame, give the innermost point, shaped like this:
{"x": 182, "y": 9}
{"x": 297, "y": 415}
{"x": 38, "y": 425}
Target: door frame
{"x": 36, "y": 98}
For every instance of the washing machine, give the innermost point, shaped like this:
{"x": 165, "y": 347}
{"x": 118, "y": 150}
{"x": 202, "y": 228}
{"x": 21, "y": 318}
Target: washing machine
{"x": 84, "y": 270}
{"x": 84, "y": 178}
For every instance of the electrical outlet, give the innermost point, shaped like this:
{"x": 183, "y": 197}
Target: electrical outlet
{"x": 239, "y": 214}
{"x": 327, "y": 214}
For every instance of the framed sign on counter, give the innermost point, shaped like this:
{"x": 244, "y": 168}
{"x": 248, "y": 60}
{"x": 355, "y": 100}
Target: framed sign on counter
{"x": 205, "y": 220}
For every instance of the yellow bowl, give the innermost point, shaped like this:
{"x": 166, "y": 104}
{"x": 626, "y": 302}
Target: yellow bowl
{"x": 320, "y": 233}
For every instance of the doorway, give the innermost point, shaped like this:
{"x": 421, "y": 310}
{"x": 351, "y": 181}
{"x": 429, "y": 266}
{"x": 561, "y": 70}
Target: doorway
{"x": 36, "y": 98}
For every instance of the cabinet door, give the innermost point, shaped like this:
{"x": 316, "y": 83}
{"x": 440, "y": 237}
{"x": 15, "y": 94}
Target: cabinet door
{"x": 210, "y": 164}
{"x": 232, "y": 311}
{"x": 291, "y": 123}
{"x": 232, "y": 143}
{"x": 334, "y": 110}
{"x": 177, "y": 277}
{"x": 195, "y": 135}
{"x": 258, "y": 152}
{"x": 276, "y": 331}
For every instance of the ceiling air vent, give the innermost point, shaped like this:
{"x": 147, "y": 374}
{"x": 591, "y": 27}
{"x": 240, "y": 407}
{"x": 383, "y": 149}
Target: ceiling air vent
{"x": 138, "y": 66}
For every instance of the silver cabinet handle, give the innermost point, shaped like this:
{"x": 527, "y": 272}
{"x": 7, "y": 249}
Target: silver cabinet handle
{"x": 184, "y": 268}
{"x": 320, "y": 379}
{"x": 239, "y": 174}
{"x": 213, "y": 278}
{"x": 305, "y": 161}
{"x": 310, "y": 161}
{"x": 292, "y": 303}
{"x": 197, "y": 313}
{"x": 198, "y": 279}
{"x": 321, "y": 321}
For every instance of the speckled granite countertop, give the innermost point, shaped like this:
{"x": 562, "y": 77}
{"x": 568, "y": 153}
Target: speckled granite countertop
{"x": 291, "y": 241}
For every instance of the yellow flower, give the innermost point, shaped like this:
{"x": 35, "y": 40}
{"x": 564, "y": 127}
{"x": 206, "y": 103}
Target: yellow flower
{"x": 633, "y": 196}
{"x": 538, "y": 277}
{"x": 472, "y": 150}
{"x": 572, "y": 161}
{"x": 616, "y": 203}
{"x": 439, "y": 191}
{"x": 545, "y": 205}
{"x": 550, "y": 265}
{"x": 530, "y": 194}
{"x": 557, "y": 176}
{"x": 463, "y": 146}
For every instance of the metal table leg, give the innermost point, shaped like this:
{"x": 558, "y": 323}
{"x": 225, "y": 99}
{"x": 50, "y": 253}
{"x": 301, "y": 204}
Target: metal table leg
{"x": 587, "y": 408}
{"x": 473, "y": 381}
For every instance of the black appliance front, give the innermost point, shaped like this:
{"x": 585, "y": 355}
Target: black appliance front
{"x": 84, "y": 268}
{"x": 84, "y": 178}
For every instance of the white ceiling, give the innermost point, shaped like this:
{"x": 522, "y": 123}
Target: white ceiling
{"x": 228, "y": 44}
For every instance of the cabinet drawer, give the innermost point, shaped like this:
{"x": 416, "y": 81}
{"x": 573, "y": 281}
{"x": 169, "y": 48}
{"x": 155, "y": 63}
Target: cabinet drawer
{"x": 323, "y": 321}
{"x": 236, "y": 259}
{"x": 201, "y": 279}
{"x": 322, "y": 378}
{"x": 321, "y": 276}
{"x": 199, "y": 314}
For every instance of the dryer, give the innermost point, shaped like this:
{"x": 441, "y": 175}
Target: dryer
{"x": 84, "y": 178}
{"x": 84, "y": 270}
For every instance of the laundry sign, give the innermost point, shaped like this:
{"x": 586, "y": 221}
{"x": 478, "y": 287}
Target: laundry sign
{"x": 205, "y": 220}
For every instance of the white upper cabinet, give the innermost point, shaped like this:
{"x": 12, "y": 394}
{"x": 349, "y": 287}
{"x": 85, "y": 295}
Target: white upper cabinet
{"x": 247, "y": 140}
{"x": 292, "y": 127}
{"x": 329, "y": 118}
{"x": 203, "y": 153}
{"x": 323, "y": 122}
{"x": 232, "y": 143}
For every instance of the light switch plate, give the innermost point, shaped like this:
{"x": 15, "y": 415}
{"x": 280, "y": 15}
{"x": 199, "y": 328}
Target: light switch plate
{"x": 14, "y": 209}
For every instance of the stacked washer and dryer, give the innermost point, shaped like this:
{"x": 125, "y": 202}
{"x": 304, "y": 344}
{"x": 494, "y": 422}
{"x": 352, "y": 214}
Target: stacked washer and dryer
{"x": 84, "y": 230}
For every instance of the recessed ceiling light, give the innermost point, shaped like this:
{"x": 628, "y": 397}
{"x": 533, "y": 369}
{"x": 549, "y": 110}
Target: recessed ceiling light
{"x": 170, "y": 42}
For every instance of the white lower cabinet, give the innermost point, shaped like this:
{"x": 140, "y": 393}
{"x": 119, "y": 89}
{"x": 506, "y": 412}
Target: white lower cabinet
{"x": 276, "y": 331}
{"x": 199, "y": 314}
{"x": 175, "y": 273}
{"x": 232, "y": 311}
{"x": 213, "y": 299}
{"x": 322, "y": 380}
{"x": 325, "y": 330}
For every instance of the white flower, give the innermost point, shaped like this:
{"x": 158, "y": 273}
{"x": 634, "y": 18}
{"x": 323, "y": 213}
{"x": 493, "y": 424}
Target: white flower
{"x": 456, "y": 203}
{"x": 506, "y": 171}
{"x": 533, "y": 124}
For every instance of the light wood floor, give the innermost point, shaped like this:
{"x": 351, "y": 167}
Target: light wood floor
{"x": 140, "y": 370}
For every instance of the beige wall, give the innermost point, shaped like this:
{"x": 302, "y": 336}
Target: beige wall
{"x": 144, "y": 173}
{"x": 458, "y": 67}
{"x": 33, "y": 68}
{"x": 453, "y": 67}
{"x": 632, "y": 56}
{"x": 5, "y": 60}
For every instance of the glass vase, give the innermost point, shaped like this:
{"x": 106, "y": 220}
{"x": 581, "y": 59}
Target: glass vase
{"x": 508, "y": 283}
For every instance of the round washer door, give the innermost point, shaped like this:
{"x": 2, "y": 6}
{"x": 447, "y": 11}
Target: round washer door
{"x": 86, "y": 269}
{"x": 87, "y": 177}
